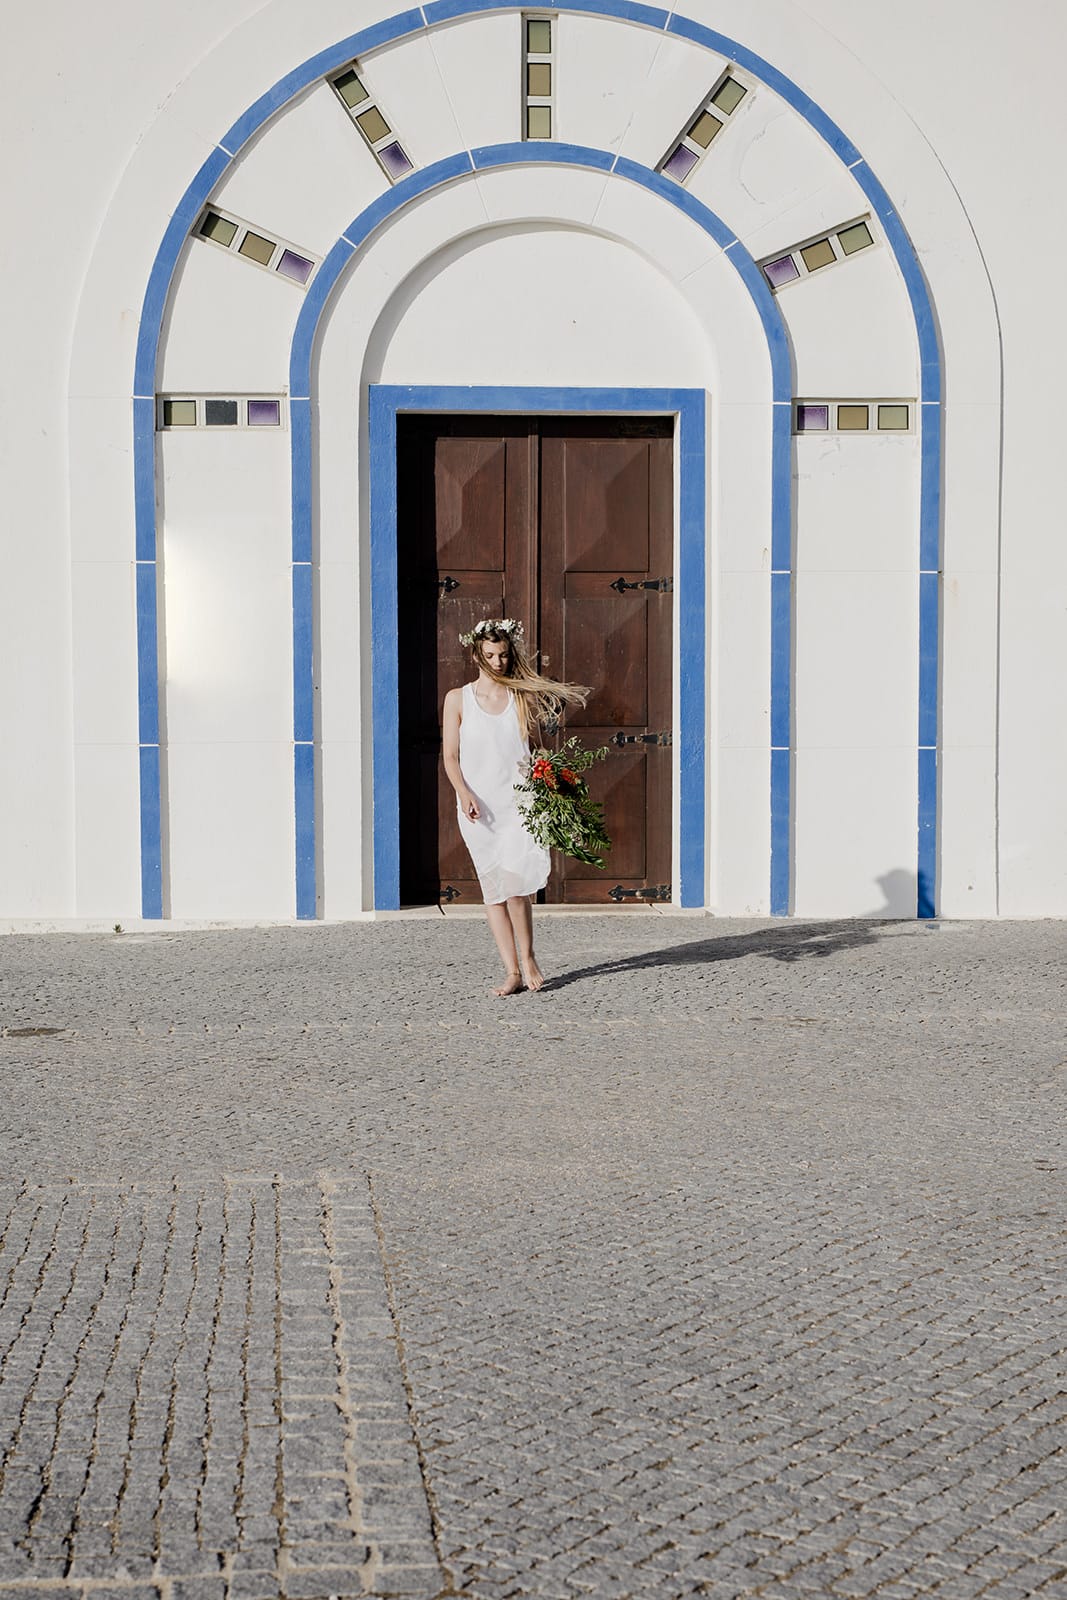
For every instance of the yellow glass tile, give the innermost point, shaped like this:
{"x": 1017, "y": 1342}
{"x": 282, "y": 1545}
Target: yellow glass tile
{"x": 729, "y": 95}
{"x": 704, "y": 129}
{"x": 858, "y": 237}
{"x": 853, "y": 419}
{"x": 179, "y": 413}
{"x": 539, "y": 78}
{"x": 218, "y": 228}
{"x": 538, "y": 122}
{"x": 539, "y": 38}
{"x": 892, "y": 417}
{"x": 819, "y": 254}
{"x": 373, "y": 125}
{"x": 256, "y": 248}
{"x": 349, "y": 88}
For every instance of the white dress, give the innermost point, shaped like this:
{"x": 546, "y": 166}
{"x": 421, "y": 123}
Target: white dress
{"x": 492, "y": 754}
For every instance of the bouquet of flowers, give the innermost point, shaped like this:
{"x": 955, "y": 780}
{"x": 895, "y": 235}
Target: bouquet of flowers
{"x": 556, "y": 807}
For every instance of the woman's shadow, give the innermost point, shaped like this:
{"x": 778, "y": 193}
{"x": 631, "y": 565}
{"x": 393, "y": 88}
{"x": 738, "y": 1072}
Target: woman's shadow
{"x": 787, "y": 941}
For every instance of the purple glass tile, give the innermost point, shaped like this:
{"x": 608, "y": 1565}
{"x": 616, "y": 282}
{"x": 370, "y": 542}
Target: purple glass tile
{"x": 680, "y": 163}
{"x": 299, "y": 268}
{"x": 264, "y": 413}
{"x": 784, "y": 270}
{"x": 813, "y": 419}
{"x": 394, "y": 160}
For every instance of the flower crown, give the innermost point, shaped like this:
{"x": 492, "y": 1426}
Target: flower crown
{"x": 506, "y": 625}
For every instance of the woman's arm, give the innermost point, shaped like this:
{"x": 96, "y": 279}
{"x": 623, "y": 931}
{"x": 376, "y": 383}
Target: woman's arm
{"x": 450, "y": 751}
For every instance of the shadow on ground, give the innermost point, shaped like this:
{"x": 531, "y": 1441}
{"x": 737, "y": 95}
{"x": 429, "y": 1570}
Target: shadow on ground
{"x": 787, "y": 943}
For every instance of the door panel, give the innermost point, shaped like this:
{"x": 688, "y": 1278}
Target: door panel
{"x": 539, "y": 518}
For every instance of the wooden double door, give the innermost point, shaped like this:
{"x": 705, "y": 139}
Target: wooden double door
{"x": 567, "y": 525}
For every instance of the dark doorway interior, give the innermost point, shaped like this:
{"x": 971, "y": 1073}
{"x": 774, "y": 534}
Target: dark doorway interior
{"x": 565, "y": 523}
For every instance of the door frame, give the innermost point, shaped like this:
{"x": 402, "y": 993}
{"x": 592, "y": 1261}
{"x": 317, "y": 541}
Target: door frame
{"x": 689, "y": 408}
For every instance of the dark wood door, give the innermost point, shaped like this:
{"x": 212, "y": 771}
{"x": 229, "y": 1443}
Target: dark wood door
{"x": 565, "y": 523}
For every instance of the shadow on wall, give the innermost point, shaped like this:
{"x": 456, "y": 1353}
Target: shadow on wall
{"x": 787, "y": 941}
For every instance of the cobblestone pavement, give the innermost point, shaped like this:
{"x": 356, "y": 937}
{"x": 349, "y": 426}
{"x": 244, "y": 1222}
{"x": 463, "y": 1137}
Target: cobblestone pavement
{"x": 729, "y": 1265}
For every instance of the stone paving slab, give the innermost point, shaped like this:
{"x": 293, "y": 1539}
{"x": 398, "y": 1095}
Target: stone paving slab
{"x": 729, "y": 1265}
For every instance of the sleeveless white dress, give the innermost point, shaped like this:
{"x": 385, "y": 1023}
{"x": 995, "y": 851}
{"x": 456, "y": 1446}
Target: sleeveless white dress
{"x": 492, "y": 753}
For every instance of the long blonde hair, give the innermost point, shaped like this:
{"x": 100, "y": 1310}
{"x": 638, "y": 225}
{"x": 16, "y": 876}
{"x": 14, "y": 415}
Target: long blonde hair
{"x": 538, "y": 700}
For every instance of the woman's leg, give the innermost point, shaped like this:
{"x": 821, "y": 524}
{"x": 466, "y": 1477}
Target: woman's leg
{"x": 504, "y": 934}
{"x": 520, "y": 911}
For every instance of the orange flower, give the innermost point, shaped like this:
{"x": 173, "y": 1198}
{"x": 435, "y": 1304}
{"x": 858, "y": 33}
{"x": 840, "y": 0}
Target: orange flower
{"x": 567, "y": 775}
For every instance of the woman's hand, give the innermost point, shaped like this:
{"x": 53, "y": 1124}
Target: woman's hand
{"x": 469, "y": 805}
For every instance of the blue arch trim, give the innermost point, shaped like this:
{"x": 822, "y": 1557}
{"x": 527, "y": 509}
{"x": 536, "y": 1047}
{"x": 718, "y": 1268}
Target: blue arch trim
{"x": 692, "y": 565}
{"x": 199, "y": 191}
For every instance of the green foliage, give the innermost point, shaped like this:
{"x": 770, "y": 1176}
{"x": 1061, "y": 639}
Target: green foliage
{"x": 556, "y": 806}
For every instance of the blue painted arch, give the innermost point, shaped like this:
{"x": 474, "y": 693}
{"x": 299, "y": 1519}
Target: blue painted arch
{"x": 405, "y": 24}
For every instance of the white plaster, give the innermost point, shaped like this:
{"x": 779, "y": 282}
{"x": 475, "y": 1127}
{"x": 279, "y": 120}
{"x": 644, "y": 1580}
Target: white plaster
{"x": 672, "y": 238}
{"x": 227, "y": 591}
{"x": 740, "y": 832}
{"x": 108, "y": 836}
{"x": 739, "y": 467}
{"x": 852, "y": 330}
{"x": 968, "y": 885}
{"x": 679, "y": 79}
{"x": 407, "y": 81}
{"x": 601, "y": 74}
{"x": 306, "y": 175}
{"x": 742, "y": 651}
{"x": 230, "y": 326}
{"x": 544, "y": 318}
{"x": 479, "y": 60}
{"x": 857, "y": 502}
{"x": 856, "y": 660}
{"x": 771, "y": 177}
{"x": 103, "y": 615}
{"x": 231, "y": 836}
{"x": 855, "y": 833}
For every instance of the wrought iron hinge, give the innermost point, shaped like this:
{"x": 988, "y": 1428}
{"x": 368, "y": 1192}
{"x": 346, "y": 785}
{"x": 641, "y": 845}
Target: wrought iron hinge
{"x": 446, "y": 585}
{"x": 664, "y": 738}
{"x": 662, "y": 891}
{"x": 450, "y": 894}
{"x": 660, "y": 585}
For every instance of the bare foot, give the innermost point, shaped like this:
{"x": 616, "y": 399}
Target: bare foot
{"x": 512, "y": 984}
{"x": 534, "y": 976}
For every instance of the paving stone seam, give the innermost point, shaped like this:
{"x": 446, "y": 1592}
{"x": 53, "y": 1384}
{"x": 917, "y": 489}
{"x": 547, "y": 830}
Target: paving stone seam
{"x": 448, "y": 1578}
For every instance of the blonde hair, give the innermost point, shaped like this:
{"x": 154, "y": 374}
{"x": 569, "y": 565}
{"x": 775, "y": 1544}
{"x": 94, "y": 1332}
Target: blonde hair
{"x": 537, "y": 699}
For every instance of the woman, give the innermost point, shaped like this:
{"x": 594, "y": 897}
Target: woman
{"x": 487, "y": 726}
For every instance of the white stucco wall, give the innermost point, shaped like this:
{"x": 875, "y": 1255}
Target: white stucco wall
{"x": 133, "y": 109}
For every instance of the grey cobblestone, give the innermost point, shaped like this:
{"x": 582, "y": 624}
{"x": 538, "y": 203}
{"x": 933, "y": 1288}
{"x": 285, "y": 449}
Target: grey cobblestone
{"x": 729, "y": 1265}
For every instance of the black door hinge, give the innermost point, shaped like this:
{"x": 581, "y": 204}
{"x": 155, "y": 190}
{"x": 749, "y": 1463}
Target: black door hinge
{"x": 662, "y": 891}
{"x": 659, "y": 585}
{"x": 664, "y": 738}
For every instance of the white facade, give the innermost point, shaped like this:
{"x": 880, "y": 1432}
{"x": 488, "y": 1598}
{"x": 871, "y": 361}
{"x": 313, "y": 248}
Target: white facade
{"x": 918, "y": 743}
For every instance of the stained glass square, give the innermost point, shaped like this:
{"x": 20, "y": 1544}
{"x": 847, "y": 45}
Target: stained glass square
{"x": 299, "y": 268}
{"x": 853, "y": 419}
{"x": 705, "y": 128}
{"x": 256, "y": 248}
{"x": 819, "y": 254}
{"x": 539, "y": 38}
{"x": 220, "y": 413}
{"x": 813, "y": 419}
{"x": 729, "y": 95}
{"x": 349, "y": 88}
{"x": 781, "y": 271}
{"x": 538, "y": 122}
{"x": 221, "y": 229}
{"x": 893, "y": 418}
{"x": 264, "y": 413}
{"x": 539, "y": 78}
{"x": 373, "y": 125}
{"x": 179, "y": 413}
{"x": 394, "y": 159}
{"x": 858, "y": 237}
{"x": 680, "y": 163}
